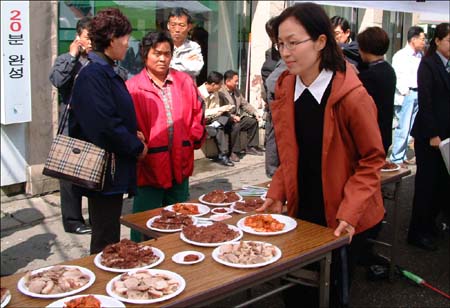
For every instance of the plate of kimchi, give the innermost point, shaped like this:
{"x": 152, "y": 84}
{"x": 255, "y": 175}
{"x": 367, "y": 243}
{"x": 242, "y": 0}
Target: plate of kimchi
{"x": 191, "y": 209}
{"x": 267, "y": 224}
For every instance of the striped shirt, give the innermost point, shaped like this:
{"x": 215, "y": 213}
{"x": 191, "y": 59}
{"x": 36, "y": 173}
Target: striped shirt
{"x": 166, "y": 95}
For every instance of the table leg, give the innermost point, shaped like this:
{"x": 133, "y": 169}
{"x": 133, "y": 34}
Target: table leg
{"x": 324, "y": 284}
{"x": 395, "y": 227}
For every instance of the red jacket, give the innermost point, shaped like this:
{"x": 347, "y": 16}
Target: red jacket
{"x": 352, "y": 152}
{"x": 162, "y": 166}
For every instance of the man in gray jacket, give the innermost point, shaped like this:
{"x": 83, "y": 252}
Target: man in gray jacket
{"x": 244, "y": 116}
{"x": 62, "y": 76}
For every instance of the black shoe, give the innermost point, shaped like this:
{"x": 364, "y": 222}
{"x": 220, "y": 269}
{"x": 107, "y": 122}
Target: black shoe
{"x": 422, "y": 241}
{"x": 377, "y": 272}
{"x": 224, "y": 160}
{"x": 83, "y": 229}
{"x": 253, "y": 151}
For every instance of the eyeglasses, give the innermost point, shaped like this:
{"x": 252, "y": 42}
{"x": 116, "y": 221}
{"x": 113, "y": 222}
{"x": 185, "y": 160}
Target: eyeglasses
{"x": 338, "y": 33}
{"x": 290, "y": 45}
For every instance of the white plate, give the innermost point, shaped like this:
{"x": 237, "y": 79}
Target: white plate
{"x": 290, "y": 224}
{"x": 215, "y": 255}
{"x": 218, "y": 204}
{"x": 226, "y": 210}
{"x": 185, "y": 239}
{"x": 391, "y": 170}
{"x": 22, "y": 288}
{"x": 173, "y": 275}
{"x": 156, "y": 251}
{"x": 106, "y": 301}
{"x": 6, "y": 301}
{"x": 150, "y": 221}
{"x": 220, "y": 217}
{"x": 233, "y": 207}
{"x": 203, "y": 209}
{"x": 179, "y": 257}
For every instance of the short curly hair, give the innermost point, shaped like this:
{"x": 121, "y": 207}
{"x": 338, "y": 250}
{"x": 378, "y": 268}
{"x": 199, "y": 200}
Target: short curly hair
{"x": 108, "y": 24}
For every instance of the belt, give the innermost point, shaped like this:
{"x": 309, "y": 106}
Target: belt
{"x": 413, "y": 89}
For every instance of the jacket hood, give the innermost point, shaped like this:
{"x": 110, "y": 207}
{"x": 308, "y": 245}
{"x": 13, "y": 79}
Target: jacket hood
{"x": 343, "y": 83}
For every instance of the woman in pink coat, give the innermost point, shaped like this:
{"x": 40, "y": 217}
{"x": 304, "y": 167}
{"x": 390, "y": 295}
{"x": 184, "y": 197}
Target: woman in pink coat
{"x": 170, "y": 116}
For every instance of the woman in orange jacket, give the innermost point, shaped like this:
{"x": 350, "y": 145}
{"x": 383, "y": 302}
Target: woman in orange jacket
{"x": 327, "y": 134}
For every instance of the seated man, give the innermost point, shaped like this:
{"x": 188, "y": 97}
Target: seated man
{"x": 244, "y": 115}
{"x": 218, "y": 118}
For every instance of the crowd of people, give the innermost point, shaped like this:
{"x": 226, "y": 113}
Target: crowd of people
{"x": 331, "y": 100}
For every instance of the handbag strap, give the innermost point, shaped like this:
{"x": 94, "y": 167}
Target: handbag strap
{"x": 65, "y": 117}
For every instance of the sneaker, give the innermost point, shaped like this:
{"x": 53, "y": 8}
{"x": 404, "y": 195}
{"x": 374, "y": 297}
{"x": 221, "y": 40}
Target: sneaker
{"x": 234, "y": 157}
{"x": 224, "y": 160}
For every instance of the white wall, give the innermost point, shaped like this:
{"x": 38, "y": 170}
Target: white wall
{"x": 13, "y": 154}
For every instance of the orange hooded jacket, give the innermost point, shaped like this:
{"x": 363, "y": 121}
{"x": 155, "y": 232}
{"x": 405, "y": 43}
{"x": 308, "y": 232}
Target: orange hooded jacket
{"x": 352, "y": 152}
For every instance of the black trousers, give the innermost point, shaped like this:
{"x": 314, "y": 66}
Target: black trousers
{"x": 104, "y": 213}
{"x": 71, "y": 214}
{"x": 431, "y": 191}
{"x": 250, "y": 125}
{"x": 343, "y": 264}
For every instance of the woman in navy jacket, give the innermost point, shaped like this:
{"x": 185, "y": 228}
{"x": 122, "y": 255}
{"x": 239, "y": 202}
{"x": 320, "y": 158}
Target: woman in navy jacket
{"x": 102, "y": 113}
{"x": 432, "y": 125}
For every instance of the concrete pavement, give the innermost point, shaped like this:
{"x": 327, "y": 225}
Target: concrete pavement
{"x": 32, "y": 236}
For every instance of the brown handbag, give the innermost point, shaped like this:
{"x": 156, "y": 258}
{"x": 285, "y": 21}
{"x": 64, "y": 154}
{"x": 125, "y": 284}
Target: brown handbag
{"x": 78, "y": 161}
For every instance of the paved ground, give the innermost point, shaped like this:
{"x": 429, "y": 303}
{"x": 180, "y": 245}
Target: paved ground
{"x": 32, "y": 236}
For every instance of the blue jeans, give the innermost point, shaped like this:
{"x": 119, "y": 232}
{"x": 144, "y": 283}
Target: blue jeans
{"x": 406, "y": 117}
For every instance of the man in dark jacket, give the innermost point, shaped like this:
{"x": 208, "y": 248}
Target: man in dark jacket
{"x": 62, "y": 76}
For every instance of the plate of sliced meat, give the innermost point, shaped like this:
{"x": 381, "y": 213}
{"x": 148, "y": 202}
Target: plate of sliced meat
{"x": 390, "y": 167}
{"x": 246, "y": 254}
{"x": 5, "y": 297}
{"x": 267, "y": 224}
{"x": 91, "y": 301}
{"x": 219, "y": 197}
{"x": 191, "y": 209}
{"x": 170, "y": 221}
{"x": 56, "y": 281}
{"x": 212, "y": 235}
{"x": 127, "y": 255}
{"x": 246, "y": 206}
{"x": 146, "y": 286}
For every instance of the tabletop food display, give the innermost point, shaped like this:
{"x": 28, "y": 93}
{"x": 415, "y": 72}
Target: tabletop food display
{"x": 139, "y": 282}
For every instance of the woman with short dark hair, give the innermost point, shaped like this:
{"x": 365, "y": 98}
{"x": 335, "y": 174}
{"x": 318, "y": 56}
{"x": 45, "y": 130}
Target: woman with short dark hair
{"x": 378, "y": 78}
{"x": 328, "y": 141}
{"x": 102, "y": 113}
